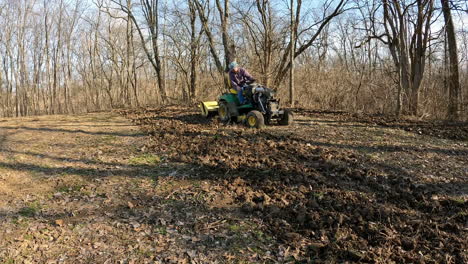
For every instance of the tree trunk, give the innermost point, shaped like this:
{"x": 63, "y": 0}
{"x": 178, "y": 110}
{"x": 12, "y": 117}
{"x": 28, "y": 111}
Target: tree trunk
{"x": 193, "y": 51}
{"x": 454, "y": 78}
{"x": 229, "y": 49}
{"x": 291, "y": 56}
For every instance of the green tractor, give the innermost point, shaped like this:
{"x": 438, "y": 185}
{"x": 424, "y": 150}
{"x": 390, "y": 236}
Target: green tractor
{"x": 261, "y": 108}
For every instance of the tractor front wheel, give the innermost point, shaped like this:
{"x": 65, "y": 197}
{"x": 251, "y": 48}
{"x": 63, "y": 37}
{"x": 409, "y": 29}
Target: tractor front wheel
{"x": 255, "y": 119}
{"x": 223, "y": 112}
{"x": 286, "y": 118}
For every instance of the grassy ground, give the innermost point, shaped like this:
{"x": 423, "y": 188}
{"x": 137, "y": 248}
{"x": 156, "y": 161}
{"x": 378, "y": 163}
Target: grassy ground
{"x": 175, "y": 188}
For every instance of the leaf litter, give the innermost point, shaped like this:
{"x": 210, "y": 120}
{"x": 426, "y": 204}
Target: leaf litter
{"x": 333, "y": 188}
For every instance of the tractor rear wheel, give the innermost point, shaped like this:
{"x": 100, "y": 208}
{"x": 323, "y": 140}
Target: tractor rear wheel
{"x": 255, "y": 119}
{"x": 223, "y": 112}
{"x": 287, "y": 118}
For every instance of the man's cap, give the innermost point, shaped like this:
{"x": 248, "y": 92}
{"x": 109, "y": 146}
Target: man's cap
{"x": 233, "y": 65}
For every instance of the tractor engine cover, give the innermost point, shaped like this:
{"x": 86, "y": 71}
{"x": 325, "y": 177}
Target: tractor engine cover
{"x": 267, "y": 92}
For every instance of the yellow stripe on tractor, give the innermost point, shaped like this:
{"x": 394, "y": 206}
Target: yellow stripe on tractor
{"x": 209, "y": 108}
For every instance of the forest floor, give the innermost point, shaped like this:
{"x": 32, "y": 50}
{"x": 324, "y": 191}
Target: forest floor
{"x": 168, "y": 186}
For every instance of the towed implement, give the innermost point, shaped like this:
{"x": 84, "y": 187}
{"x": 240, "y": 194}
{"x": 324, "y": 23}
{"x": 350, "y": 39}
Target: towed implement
{"x": 261, "y": 108}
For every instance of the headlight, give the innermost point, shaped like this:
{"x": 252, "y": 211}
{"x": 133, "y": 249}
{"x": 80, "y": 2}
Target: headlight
{"x": 259, "y": 89}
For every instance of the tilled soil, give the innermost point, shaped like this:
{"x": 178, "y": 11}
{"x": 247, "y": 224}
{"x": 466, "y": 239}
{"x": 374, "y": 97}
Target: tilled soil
{"x": 439, "y": 129}
{"x": 332, "y": 188}
{"x": 178, "y": 188}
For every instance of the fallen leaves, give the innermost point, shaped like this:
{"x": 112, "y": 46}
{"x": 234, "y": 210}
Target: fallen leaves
{"x": 195, "y": 191}
{"x": 59, "y": 222}
{"x": 318, "y": 193}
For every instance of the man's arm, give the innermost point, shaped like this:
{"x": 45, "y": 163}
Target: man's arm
{"x": 247, "y": 75}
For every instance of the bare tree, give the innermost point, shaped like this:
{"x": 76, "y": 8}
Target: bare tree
{"x": 224, "y": 14}
{"x": 62, "y": 56}
{"x": 292, "y": 50}
{"x": 454, "y": 78}
{"x": 407, "y": 32}
{"x": 194, "y": 48}
{"x": 150, "y": 10}
{"x": 313, "y": 31}
{"x": 263, "y": 33}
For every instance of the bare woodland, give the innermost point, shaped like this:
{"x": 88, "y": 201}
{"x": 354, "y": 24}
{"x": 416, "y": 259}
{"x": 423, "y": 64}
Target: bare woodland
{"x": 377, "y": 56}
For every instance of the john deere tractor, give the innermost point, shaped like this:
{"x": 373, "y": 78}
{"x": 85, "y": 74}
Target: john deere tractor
{"x": 261, "y": 108}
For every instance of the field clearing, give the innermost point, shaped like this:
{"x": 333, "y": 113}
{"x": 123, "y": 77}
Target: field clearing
{"x": 167, "y": 186}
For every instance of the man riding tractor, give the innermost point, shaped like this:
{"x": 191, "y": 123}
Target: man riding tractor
{"x": 239, "y": 78}
{"x": 247, "y": 102}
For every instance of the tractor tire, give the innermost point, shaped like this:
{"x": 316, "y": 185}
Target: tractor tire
{"x": 267, "y": 119}
{"x": 255, "y": 119}
{"x": 286, "y": 119}
{"x": 223, "y": 112}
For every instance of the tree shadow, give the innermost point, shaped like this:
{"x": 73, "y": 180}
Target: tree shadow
{"x": 107, "y": 169}
{"x": 313, "y": 122}
{"x": 391, "y": 148}
{"x": 4, "y": 137}
{"x": 76, "y": 131}
{"x": 191, "y": 119}
{"x": 42, "y": 155}
{"x": 85, "y": 166}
